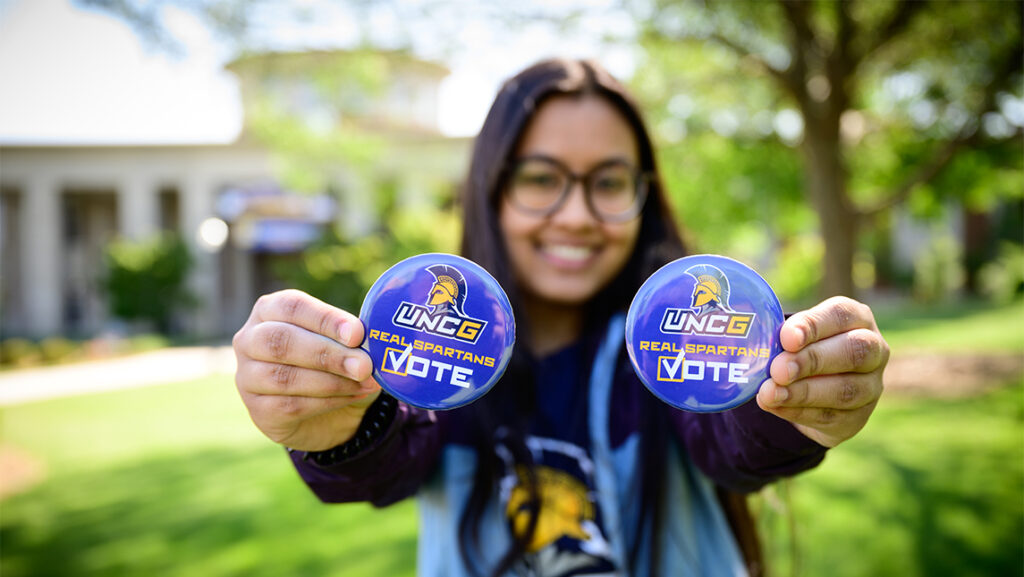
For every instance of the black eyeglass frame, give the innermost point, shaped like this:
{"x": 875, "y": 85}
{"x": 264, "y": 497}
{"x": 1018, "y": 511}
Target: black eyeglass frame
{"x": 642, "y": 179}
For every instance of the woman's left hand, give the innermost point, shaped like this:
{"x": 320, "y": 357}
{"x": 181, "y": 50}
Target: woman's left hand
{"x": 828, "y": 378}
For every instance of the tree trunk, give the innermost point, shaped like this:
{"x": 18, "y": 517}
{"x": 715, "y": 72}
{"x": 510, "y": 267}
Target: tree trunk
{"x": 825, "y": 178}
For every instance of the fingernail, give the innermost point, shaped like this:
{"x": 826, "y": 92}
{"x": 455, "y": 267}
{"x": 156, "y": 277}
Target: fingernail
{"x": 781, "y": 394}
{"x": 345, "y": 334}
{"x": 801, "y": 336}
{"x": 353, "y": 367}
{"x": 793, "y": 369}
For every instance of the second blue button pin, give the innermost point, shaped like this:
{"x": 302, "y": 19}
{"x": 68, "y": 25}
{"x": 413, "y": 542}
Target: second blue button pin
{"x": 702, "y": 332}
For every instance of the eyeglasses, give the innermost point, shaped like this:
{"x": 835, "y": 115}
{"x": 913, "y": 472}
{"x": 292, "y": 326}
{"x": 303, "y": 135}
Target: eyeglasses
{"x": 615, "y": 190}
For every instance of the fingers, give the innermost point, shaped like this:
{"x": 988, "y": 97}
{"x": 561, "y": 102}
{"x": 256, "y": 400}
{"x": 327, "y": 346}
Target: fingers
{"x": 831, "y": 317}
{"x": 281, "y": 416}
{"x": 859, "y": 350}
{"x": 832, "y": 392}
{"x": 266, "y": 378}
{"x": 827, "y": 409}
{"x": 828, "y": 379}
{"x": 302, "y": 310}
{"x": 827, "y": 427}
{"x": 287, "y": 344}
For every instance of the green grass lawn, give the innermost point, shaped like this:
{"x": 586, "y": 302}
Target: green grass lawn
{"x": 971, "y": 327}
{"x": 175, "y": 480}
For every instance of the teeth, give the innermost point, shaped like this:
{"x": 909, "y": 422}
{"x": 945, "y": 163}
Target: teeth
{"x": 571, "y": 253}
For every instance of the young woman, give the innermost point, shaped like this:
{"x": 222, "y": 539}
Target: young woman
{"x": 569, "y": 466}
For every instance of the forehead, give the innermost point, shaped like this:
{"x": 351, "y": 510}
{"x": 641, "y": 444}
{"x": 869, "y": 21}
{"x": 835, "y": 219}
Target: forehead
{"x": 579, "y": 131}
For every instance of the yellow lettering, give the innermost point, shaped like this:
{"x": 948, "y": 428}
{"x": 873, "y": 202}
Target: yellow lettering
{"x": 738, "y": 325}
{"x": 469, "y": 330}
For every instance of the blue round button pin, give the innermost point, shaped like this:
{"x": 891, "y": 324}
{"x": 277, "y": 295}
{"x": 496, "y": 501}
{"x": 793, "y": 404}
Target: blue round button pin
{"x": 439, "y": 329}
{"x": 702, "y": 332}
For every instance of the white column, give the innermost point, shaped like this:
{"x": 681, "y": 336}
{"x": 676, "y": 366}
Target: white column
{"x": 358, "y": 211}
{"x": 41, "y": 254}
{"x": 197, "y": 199}
{"x": 242, "y": 298}
{"x": 138, "y": 212}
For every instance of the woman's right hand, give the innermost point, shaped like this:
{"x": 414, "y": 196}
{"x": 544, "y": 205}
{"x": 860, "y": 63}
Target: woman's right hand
{"x": 300, "y": 372}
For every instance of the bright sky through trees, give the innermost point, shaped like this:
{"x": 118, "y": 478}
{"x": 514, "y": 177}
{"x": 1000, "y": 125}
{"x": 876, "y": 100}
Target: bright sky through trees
{"x": 73, "y": 75}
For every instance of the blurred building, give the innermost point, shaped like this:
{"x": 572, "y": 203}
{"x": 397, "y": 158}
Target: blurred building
{"x": 60, "y": 205}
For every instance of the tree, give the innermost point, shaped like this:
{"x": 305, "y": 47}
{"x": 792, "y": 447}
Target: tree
{"x": 832, "y": 62}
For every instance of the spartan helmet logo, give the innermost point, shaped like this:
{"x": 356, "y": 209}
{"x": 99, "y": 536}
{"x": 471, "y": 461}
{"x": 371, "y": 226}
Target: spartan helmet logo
{"x": 449, "y": 291}
{"x": 711, "y": 291}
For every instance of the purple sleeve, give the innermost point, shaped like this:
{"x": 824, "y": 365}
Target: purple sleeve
{"x": 746, "y": 448}
{"x": 386, "y": 472}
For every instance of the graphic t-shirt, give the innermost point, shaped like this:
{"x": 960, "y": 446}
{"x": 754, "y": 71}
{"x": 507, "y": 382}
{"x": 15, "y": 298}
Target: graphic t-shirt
{"x": 569, "y": 538}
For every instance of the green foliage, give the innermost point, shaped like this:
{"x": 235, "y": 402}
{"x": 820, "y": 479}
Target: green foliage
{"x": 340, "y": 271}
{"x": 798, "y": 270}
{"x": 938, "y": 271}
{"x": 308, "y": 159}
{"x": 1003, "y": 279}
{"x": 716, "y": 78}
{"x": 145, "y": 280}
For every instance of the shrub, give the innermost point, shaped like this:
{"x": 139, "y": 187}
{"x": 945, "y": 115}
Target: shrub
{"x": 145, "y": 280}
{"x": 58, "y": 349}
{"x": 939, "y": 272}
{"x": 1003, "y": 278}
{"x": 19, "y": 353}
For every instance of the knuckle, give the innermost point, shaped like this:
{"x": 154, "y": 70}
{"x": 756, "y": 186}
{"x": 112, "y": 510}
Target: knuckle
{"x": 863, "y": 310}
{"x": 813, "y": 361}
{"x": 323, "y": 359}
{"x": 277, "y": 342}
{"x": 863, "y": 347}
{"x": 290, "y": 302}
{"x": 287, "y": 407}
{"x": 263, "y": 302}
{"x": 328, "y": 325}
{"x": 844, "y": 311}
{"x": 859, "y": 348}
{"x": 238, "y": 339}
{"x": 800, "y": 395}
{"x": 826, "y": 416}
{"x": 811, "y": 327}
{"x": 282, "y": 375}
{"x": 847, "y": 394}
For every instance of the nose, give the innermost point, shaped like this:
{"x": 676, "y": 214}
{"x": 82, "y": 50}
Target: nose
{"x": 574, "y": 212}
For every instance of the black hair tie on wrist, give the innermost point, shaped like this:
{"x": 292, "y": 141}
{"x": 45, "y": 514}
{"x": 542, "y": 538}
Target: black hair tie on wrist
{"x": 375, "y": 422}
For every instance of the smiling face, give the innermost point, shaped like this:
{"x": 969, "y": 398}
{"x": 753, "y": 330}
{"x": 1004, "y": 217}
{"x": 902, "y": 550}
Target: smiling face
{"x": 567, "y": 257}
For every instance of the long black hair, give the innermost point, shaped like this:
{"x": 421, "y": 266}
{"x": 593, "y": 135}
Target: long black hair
{"x": 510, "y": 404}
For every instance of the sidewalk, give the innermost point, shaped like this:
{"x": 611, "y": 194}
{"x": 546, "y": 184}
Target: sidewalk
{"x": 170, "y": 365}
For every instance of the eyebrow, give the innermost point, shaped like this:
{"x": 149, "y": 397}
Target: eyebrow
{"x": 559, "y": 162}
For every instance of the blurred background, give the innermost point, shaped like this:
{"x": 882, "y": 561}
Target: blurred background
{"x": 162, "y": 164}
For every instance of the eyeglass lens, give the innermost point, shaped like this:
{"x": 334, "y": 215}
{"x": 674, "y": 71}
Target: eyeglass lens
{"x": 539, "y": 185}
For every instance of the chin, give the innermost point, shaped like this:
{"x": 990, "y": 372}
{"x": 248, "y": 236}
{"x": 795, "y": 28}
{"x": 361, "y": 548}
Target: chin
{"x": 568, "y": 295}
